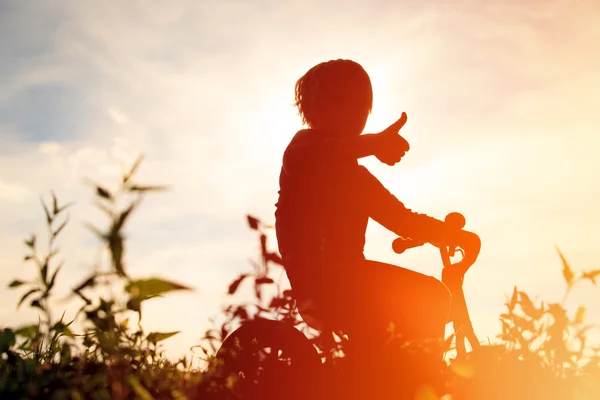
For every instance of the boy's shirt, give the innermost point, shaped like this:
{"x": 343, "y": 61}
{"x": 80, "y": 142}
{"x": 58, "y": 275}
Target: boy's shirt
{"x": 325, "y": 202}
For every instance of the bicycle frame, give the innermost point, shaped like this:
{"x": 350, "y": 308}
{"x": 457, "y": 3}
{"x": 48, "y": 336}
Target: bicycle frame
{"x": 459, "y": 313}
{"x": 453, "y": 278}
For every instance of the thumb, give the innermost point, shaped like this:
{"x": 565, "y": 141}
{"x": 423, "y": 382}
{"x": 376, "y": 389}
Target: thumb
{"x": 396, "y": 126}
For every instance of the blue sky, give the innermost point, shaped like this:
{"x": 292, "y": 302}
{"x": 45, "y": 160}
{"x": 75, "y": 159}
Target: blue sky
{"x": 501, "y": 97}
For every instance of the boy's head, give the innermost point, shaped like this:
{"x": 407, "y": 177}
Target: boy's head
{"x": 336, "y": 96}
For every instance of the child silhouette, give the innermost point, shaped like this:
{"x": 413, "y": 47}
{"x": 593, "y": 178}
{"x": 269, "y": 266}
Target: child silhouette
{"x": 325, "y": 201}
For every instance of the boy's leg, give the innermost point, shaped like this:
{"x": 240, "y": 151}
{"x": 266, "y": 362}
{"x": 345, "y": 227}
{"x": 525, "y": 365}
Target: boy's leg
{"x": 369, "y": 297}
{"x": 419, "y": 306}
{"x": 416, "y": 304}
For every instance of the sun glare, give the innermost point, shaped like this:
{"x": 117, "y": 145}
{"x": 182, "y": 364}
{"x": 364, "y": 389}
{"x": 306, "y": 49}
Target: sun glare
{"x": 381, "y": 116}
{"x": 280, "y": 122}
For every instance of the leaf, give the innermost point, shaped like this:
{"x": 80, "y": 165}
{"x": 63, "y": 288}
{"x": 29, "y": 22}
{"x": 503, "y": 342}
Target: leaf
{"x": 134, "y": 304}
{"x": 263, "y": 246}
{"x": 61, "y": 328}
{"x": 241, "y": 313}
{"x": 146, "y": 288}
{"x": 61, "y": 227}
{"x": 513, "y": 299}
{"x": 277, "y": 302}
{"x": 147, "y": 188}
{"x": 31, "y": 242}
{"x": 7, "y": 340}
{"x": 156, "y": 337}
{"x": 36, "y": 304}
{"x": 105, "y": 194}
{"x": 44, "y": 271}
{"x": 115, "y": 242}
{"x": 82, "y": 297}
{"x": 27, "y": 331}
{"x": 88, "y": 282}
{"x": 123, "y": 217}
{"x": 528, "y": 307}
{"x": 579, "y": 315}
{"x": 96, "y": 231}
{"x": 274, "y": 257}
{"x": 263, "y": 280}
{"x": 15, "y": 283}
{"x": 252, "y": 222}
{"x": 235, "y": 284}
{"x": 139, "y": 390}
{"x": 224, "y": 331}
{"x": 591, "y": 275}
{"x": 54, "y": 204}
{"x": 62, "y": 208}
{"x": 102, "y": 207}
{"x": 257, "y": 291}
{"x": 567, "y": 271}
{"x": 47, "y": 212}
{"x": 53, "y": 278}
{"x": 523, "y": 323}
{"x": 558, "y": 313}
{"x": 26, "y": 295}
{"x": 134, "y": 167}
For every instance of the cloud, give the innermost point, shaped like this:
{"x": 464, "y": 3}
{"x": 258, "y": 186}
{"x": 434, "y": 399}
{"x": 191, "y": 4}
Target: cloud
{"x": 11, "y": 192}
{"x": 204, "y": 90}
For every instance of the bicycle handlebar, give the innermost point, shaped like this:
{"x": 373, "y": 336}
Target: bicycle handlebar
{"x": 454, "y": 220}
{"x": 453, "y": 279}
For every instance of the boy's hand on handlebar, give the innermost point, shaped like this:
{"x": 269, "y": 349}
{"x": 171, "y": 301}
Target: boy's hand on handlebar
{"x": 390, "y": 146}
{"x": 471, "y": 244}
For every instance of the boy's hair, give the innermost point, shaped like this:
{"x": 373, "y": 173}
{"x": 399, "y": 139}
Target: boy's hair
{"x": 330, "y": 85}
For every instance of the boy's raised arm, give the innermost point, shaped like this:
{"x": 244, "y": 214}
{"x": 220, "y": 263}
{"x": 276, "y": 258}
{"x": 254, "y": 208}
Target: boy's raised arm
{"x": 321, "y": 148}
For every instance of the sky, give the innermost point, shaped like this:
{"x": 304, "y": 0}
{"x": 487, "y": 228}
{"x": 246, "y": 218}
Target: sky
{"x": 502, "y": 99}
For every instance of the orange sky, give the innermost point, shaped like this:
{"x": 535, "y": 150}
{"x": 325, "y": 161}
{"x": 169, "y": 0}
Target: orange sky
{"x": 502, "y": 102}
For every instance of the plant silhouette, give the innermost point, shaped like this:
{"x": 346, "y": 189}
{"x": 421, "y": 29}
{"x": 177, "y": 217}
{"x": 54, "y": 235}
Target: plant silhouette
{"x": 542, "y": 350}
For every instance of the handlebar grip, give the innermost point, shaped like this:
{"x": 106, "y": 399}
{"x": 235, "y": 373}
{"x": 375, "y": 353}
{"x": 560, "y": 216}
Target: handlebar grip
{"x": 455, "y": 220}
{"x": 400, "y": 245}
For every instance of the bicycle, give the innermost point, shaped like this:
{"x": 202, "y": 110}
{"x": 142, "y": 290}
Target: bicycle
{"x": 273, "y": 356}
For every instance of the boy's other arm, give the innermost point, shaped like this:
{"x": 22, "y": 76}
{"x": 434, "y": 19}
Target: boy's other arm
{"x": 391, "y": 213}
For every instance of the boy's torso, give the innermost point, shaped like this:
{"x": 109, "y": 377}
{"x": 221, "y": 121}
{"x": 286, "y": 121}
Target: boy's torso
{"x": 321, "y": 212}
